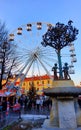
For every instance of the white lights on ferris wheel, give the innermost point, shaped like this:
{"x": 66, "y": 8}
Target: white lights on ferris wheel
{"x": 29, "y": 27}
{"x": 11, "y": 37}
{"x": 72, "y": 54}
{"x": 71, "y": 47}
{"x": 39, "y": 25}
{"x": 19, "y": 31}
{"x": 71, "y": 71}
{"x": 71, "y": 66}
{"x": 73, "y": 59}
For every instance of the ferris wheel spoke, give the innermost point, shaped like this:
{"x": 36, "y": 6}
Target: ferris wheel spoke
{"x": 47, "y": 63}
{"x": 38, "y": 68}
{"x": 50, "y": 58}
{"x": 28, "y": 68}
{"x": 45, "y": 68}
{"x": 33, "y": 67}
{"x": 23, "y": 68}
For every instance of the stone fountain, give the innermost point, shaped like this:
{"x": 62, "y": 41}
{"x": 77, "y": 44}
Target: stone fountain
{"x": 65, "y": 111}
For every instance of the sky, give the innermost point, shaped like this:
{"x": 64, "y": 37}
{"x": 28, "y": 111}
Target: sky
{"x": 18, "y": 12}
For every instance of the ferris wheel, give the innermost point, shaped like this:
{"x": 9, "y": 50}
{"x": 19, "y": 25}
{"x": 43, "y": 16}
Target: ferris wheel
{"x": 32, "y": 58}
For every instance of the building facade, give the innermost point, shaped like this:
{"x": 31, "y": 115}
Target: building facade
{"x": 40, "y": 82}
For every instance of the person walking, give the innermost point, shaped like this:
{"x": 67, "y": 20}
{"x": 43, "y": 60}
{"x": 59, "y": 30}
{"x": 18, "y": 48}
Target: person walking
{"x": 38, "y": 103}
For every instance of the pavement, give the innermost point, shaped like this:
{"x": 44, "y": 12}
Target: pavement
{"x": 56, "y": 129}
{"x": 14, "y": 117}
{"x": 9, "y": 120}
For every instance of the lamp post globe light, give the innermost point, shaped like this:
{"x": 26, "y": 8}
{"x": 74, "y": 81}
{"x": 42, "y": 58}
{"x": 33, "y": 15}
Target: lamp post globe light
{"x": 58, "y": 37}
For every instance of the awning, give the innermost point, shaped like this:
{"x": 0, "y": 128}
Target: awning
{"x": 2, "y": 94}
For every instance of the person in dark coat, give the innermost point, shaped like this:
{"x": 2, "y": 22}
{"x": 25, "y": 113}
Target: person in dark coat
{"x": 4, "y": 105}
{"x": 4, "y": 108}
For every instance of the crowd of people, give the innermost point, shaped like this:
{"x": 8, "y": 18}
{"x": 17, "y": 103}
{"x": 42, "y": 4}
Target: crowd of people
{"x": 24, "y": 102}
{"x": 37, "y": 103}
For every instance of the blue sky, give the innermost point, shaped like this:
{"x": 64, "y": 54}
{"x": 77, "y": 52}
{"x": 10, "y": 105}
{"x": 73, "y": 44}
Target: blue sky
{"x": 19, "y": 12}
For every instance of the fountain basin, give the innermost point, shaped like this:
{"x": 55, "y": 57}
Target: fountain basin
{"x": 63, "y": 91}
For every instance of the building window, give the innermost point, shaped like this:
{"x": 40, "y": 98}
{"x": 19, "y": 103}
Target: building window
{"x": 37, "y": 89}
{"x": 48, "y": 82}
{"x": 37, "y": 82}
{"x": 29, "y": 83}
{"x": 24, "y": 84}
{"x": 42, "y": 82}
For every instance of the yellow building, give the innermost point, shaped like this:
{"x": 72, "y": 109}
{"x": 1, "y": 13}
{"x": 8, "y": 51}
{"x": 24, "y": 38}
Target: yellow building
{"x": 40, "y": 82}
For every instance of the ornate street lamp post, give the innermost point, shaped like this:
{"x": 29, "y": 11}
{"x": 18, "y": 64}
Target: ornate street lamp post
{"x": 58, "y": 37}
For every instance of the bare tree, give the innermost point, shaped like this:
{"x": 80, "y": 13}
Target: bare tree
{"x": 7, "y": 56}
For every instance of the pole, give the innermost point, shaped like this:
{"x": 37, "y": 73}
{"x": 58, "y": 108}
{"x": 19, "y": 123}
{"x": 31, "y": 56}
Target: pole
{"x": 60, "y": 64}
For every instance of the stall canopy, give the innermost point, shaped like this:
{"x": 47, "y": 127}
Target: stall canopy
{"x": 2, "y": 93}
{"x": 5, "y": 93}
